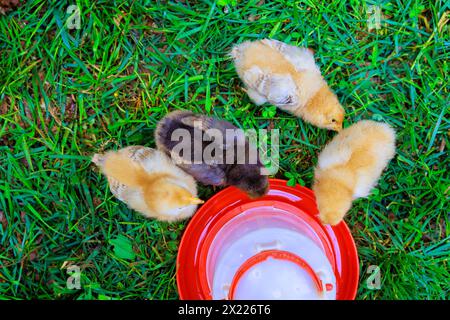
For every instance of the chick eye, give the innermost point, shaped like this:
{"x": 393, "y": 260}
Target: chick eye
{"x": 333, "y": 120}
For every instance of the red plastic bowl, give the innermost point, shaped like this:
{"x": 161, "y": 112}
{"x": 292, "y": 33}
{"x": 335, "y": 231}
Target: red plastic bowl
{"x": 191, "y": 264}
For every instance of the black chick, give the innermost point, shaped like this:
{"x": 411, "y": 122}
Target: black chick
{"x": 214, "y": 139}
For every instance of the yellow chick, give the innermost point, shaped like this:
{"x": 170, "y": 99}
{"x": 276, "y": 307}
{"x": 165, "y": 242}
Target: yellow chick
{"x": 149, "y": 182}
{"x": 349, "y": 167}
{"x": 287, "y": 77}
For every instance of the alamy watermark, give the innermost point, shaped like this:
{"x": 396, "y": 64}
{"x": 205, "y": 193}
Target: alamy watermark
{"x": 74, "y": 19}
{"x": 74, "y": 280}
{"x": 373, "y": 282}
{"x": 374, "y": 17}
{"x": 230, "y": 146}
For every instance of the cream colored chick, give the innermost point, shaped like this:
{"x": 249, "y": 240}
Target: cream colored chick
{"x": 287, "y": 77}
{"x": 149, "y": 182}
{"x": 350, "y": 166}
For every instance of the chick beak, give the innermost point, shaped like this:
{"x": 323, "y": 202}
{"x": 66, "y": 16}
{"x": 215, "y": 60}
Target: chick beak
{"x": 193, "y": 200}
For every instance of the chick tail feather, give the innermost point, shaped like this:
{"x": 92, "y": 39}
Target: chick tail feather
{"x": 124, "y": 170}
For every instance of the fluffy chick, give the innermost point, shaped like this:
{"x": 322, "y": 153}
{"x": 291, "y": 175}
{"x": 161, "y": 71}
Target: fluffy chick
{"x": 239, "y": 171}
{"x": 287, "y": 77}
{"x": 350, "y": 166}
{"x": 149, "y": 182}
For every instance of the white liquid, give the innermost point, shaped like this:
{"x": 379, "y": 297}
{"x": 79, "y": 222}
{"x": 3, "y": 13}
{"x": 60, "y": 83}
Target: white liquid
{"x": 253, "y": 242}
{"x": 274, "y": 279}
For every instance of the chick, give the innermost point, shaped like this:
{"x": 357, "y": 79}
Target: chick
{"x": 203, "y": 134}
{"x": 350, "y": 166}
{"x": 149, "y": 182}
{"x": 287, "y": 77}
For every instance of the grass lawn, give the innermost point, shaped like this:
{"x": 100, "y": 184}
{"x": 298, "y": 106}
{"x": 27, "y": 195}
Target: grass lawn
{"x": 68, "y": 93}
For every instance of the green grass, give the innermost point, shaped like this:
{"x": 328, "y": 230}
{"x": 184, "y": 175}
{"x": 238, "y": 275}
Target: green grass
{"x": 66, "y": 94}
